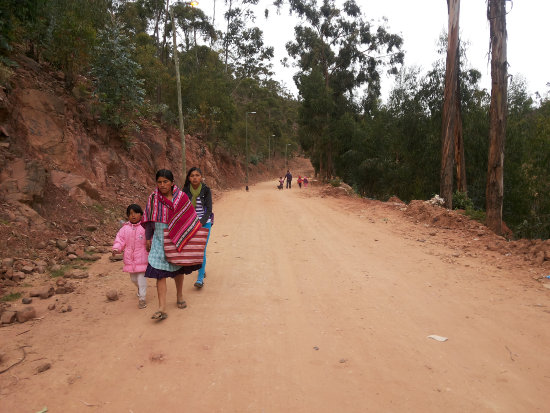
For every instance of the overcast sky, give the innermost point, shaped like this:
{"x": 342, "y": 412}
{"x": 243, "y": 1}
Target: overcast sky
{"x": 421, "y": 23}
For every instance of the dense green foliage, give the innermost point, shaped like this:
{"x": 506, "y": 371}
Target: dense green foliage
{"x": 379, "y": 148}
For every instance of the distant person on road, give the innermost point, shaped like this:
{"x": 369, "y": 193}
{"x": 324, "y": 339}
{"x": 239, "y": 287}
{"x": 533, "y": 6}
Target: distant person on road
{"x": 300, "y": 181}
{"x": 201, "y": 198}
{"x": 281, "y": 182}
{"x": 305, "y": 182}
{"x": 131, "y": 239}
{"x": 288, "y": 177}
{"x": 167, "y": 205}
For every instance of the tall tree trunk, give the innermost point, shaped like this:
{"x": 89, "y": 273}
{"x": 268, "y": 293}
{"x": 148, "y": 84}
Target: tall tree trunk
{"x": 496, "y": 13}
{"x": 226, "y": 40}
{"x": 180, "y": 106}
{"x": 460, "y": 160}
{"x": 450, "y": 118}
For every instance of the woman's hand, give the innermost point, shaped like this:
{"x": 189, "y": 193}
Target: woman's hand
{"x": 115, "y": 252}
{"x": 148, "y": 245}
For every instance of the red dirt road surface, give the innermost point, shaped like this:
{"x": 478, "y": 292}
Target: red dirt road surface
{"x": 311, "y": 303}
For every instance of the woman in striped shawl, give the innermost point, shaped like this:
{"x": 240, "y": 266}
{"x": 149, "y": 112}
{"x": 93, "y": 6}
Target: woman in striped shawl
{"x": 168, "y": 207}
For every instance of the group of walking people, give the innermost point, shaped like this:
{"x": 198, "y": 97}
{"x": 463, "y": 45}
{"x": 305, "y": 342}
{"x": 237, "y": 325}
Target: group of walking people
{"x": 174, "y": 219}
{"x": 288, "y": 178}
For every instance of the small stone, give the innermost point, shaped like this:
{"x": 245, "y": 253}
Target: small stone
{"x": 26, "y": 300}
{"x": 41, "y": 245}
{"x": 43, "y": 367}
{"x": 316, "y": 348}
{"x": 91, "y": 228}
{"x": 51, "y": 306}
{"x": 72, "y": 257}
{"x": 112, "y": 295}
{"x": 62, "y": 244}
{"x": 60, "y": 282}
{"x": 27, "y": 269}
{"x": 343, "y": 360}
{"x": 26, "y": 314}
{"x": 69, "y": 308}
{"x": 55, "y": 267}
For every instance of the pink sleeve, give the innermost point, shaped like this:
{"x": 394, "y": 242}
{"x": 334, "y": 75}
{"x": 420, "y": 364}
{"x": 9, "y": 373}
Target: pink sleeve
{"x": 119, "y": 241}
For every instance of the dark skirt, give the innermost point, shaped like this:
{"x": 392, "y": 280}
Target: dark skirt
{"x": 152, "y": 272}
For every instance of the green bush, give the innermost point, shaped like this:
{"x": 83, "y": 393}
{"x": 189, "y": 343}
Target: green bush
{"x": 335, "y": 182}
{"x": 461, "y": 201}
{"x": 476, "y": 214}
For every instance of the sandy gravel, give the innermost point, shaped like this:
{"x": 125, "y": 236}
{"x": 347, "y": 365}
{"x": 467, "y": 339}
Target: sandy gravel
{"x": 311, "y": 304}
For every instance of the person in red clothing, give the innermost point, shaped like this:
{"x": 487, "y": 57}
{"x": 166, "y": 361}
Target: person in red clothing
{"x": 300, "y": 181}
{"x": 131, "y": 240}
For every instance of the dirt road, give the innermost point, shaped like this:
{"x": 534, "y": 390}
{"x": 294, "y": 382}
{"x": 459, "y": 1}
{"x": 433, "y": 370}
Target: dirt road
{"x": 311, "y": 304}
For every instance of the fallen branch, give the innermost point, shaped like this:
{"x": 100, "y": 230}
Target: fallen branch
{"x": 17, "y": 362}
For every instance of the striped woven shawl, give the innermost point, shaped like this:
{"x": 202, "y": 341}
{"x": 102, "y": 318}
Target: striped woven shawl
{"x": 179, "y": 214}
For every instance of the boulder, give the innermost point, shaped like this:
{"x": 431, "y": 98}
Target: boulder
{"x": 42, "y": 292}
{"x": 26, "y": 314}
{"x": 8, "y": 317}
{"x": 7, "y": 262}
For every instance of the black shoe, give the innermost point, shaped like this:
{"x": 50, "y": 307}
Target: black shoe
{"x": 199, "y": 284}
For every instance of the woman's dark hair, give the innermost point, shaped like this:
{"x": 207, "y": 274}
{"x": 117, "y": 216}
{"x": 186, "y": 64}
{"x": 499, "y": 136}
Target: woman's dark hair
{"x": 193, "y": 169}
{"x": 165, "y": 173}
{"x": 134, "y": 207}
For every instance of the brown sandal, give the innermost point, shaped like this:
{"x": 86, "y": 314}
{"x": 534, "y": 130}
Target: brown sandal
{"x": 182, "y": 304}
{"x": 159, "y": 315}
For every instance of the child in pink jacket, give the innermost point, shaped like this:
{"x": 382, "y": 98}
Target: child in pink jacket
{"x": 131, "y": 240}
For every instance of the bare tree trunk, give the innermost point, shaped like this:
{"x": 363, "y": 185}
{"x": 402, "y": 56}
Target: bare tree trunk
{"x": 450, "y": 118}
{"x": 178, "y": 85}
{"x": 496, "y": 13}
{"x": 226, "y": 40}
{"x": 460, "y": 160}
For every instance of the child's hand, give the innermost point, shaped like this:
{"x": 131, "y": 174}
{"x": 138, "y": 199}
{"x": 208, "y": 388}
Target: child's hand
{"x": 148, "y": 245}
{"x": 115, "y": 252}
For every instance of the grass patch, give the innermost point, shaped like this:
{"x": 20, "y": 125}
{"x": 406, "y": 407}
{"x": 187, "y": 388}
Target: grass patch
{"x": 335, "y": 182}
{"x": 60, "y": 272}
{"x": 476, "y": 214}
{"x": 10, "y": 297}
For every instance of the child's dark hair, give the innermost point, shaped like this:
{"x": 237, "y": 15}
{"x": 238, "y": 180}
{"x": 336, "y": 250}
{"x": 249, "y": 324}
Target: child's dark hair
{"x": 134, "y": 207}
{"x": 165, "y": 173}
{"x": 193, "y": 169}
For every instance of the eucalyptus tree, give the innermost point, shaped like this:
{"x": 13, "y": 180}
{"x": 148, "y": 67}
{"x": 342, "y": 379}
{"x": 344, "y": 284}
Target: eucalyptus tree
{"x": 245, "y": 53}
{"x": 496, "y": 13}
{"x": 116, "y": 76}
{"x": 339, "y": 56}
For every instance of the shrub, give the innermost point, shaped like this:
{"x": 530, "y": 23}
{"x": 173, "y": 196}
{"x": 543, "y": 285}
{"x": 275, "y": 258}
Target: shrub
{"x": 461, "y": 201}
{"x": 335, "y": 182}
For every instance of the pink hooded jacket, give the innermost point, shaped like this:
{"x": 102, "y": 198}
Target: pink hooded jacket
{"x": 131, "y": 240}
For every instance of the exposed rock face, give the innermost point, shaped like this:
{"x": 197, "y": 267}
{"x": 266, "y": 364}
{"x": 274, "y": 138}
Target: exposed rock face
{"x": 77, "y": 186}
